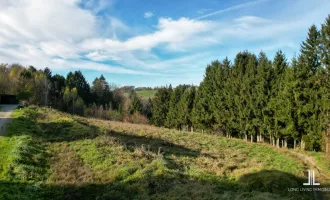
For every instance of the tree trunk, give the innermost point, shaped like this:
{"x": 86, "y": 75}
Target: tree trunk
{"x": 294, "y": 143}
{"x": 192, "y": 129}
{"x": 72, "y": 106}
{"x": 251, "y": 137}
{"x": 202, "y": 131}
{"x": 302, "y": 146}
{"x": 278, "y": 142}
{"x": 245, "y": 137}
{"x": 285, "y": 143}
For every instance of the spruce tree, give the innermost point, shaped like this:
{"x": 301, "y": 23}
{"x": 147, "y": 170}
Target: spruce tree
{"x": 262, "y": 92}
{"x": 273, "y": 115}
{"x": 172, "y": 120}
{"x": 325, "y": 44}
{"x": 185, "y": 107}
{"x": 135, "y": 103}
{"x": 220, "y": 104}
{"x": 309, "y": 106}
{"x": 239, "y": 94}
{"x": 202, "y": 114}
{"x": 160, "y": 105}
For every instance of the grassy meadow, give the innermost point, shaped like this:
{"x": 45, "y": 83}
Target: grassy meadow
{"x": 48, "y": 154}
{"x": 146, "y": 94}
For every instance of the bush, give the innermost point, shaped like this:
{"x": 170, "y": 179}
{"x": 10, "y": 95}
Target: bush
{"x": 114, "y": 115}
{"x": 136, "y": 118}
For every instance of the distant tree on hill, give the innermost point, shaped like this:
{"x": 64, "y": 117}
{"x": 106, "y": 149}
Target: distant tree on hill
{"x": 78, "y": 81}
{"x": 135, "y": 103}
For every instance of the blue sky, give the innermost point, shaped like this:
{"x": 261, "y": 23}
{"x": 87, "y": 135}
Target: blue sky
{"x": 150, "y": 43}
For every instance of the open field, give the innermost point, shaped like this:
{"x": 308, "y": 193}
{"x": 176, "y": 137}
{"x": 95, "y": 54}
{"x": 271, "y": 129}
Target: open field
{"x": 47, "y": 154}
{"x": 144, "y": 94}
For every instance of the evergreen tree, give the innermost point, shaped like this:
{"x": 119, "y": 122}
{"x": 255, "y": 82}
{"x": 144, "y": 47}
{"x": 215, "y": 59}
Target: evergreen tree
{"x": 218, "y": 100}
{"x": 135, "y": 103}
{"x": 262, "y": 92}
{"x": 172, "y": 120}
{"x": 202, "y": 114}
{"x": 308, "y": 105}
{"x": 240, "y": 93}
{"x": 325, "y": 89}
{"x": 185, "y": 107}
{"x": 310, "y": 51}
{"x": 325, "y": 44}
{"x": 160, "y": 105}
{"x": 78, "y": 81}
{"x": 101, "y": 92}
{"x": 273, "y": 115}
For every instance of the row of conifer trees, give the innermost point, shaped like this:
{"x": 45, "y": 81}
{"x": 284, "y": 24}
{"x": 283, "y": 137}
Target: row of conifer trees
{"x": 282, "y": 102}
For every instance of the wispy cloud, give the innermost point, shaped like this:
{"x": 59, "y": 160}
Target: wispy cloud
{"x": 148, "y": 14}
{"x": 170, "y": 32}
{"x": 202, "y": 11}
{"x": 231, "y": 9}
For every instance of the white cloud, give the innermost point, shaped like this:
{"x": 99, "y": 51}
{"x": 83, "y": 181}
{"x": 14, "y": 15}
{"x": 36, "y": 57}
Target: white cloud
{"x": 101, "y": 56}
{"x": 251, "y": 20}
{"x": 169, "y": 32}
{"x": 148, "y": 14}
{"x": 202, "y": 11}
{"x": 98, "y": 5}
{"x": 231, "y": 9}
{"x": 61, "y": 35}
{"x": 40, "y": 20}
{"x": 47, "y": 33}
{"x": 60, "y": 49}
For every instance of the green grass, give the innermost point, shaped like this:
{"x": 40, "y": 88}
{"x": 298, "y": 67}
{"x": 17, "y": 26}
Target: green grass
{"x": 146, "y": 94}
{"x": 51, "y": 155}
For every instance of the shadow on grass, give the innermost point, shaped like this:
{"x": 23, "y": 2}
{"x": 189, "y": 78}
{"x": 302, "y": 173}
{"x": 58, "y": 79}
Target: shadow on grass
{"x": 260, "y": 185}
{"x": 69, "y": 131}
{"x": 171, "y": 185}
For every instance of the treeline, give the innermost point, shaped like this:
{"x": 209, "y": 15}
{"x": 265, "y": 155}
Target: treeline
{"x": 72, "y": 94}
{"x": 254, "y": 98}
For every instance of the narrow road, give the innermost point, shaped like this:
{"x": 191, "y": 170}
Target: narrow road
{"x": 5, "y": 116}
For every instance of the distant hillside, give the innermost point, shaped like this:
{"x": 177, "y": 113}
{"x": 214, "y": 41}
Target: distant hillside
{"x": 145, "y": 94}
{"x": 52, "y": 155}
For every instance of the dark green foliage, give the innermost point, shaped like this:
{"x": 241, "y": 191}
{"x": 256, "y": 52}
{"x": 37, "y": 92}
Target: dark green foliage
{"x": 185, "y": 106}
{"x": 325, "y": 43}
{"x": 102, "y": 95}
{"x": 160, "y": 105}
{"x": 147, "y": 108}
{"x": 135, "y": 103}
{"x": 251, "y": 97}
{"x": 202, "y": 114}
{"x": 172, "y": 118}
{"x": 77, "y": 80}
{"x": 57, "y": 89}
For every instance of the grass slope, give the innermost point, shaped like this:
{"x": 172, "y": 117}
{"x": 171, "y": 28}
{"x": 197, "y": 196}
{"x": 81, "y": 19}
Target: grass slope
{"x": 146, "y": 94}
{"x": 51, "y": 155}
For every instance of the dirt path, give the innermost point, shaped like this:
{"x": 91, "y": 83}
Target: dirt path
{"x": 5, "y": 116}
{"x": 310, "y": 164}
